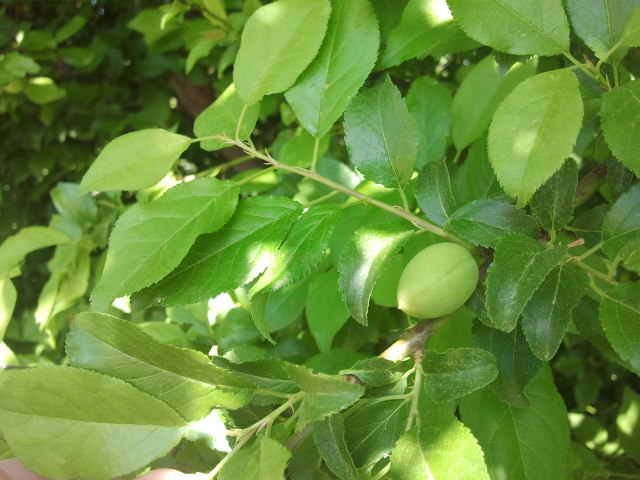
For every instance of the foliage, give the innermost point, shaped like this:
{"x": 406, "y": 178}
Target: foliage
{"x": 230, "y": 307}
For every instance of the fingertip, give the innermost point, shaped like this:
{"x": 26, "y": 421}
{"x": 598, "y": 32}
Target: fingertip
{"x": 169, "y": 474}
{"x": 13, "y": 469}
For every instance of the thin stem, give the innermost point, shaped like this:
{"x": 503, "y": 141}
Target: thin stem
{"x": 581, "y": 66}
{"x": 591, "y": 271}
{"x": 382, "y": 472}
{"x": 591, "y": 251}
{"x": 321, "y": 199}
{"x": 314, "y": 159}
{"x": 239, "y": 444}
{"x": 405, "y": 204}
{"x": 614, "y": 266}
{"x": 415, "y": 390}
{"x": 242, "y": 113}
{"x": 256, "y": 175}
{"x": 413, "y": 339}
{"x": 608, "y": 54}
{"x": 250, "y": 430}
{"x": 214, "y": 171}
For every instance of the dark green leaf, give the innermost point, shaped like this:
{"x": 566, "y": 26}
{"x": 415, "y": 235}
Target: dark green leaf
{"x": 620, "y": 317}
{"x": 433, "y": 192}
{"x": 621, "y": 229}
{"x": 474, "y": 179}
{"x": 264, "y": 459}
{"x": 328, "y": 435}
{"x": 326, "y": 312}
{"x": 83, "y": 416}
{"x": 519, "y": 267}
{"x": 381, "y": 135}
{"x": 619, "y": 178}
{"x": 485, "y": 222}
{"x": 552, "y": 204}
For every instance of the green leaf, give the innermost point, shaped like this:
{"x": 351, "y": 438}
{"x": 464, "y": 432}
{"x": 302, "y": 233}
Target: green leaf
{"x": 433, "y": 192}
{"x": 183, "y": 379}
{"x": 303, "y": 248}
{"x": 373, "y": 430}
{"x": 43, "y": 90}
{"x": 363, "y": 258}
{"x": 619, "y": 178}
{"x": 222, "y": 117}
{"x": 631, "y": 33}
{"x": 8, "y": 296}
{"x": 84, "y": 416}
{"x": 229, "y": 258}
{"x": 81, "y": 209}
{"x": 426, "y": 28}
{"x": 529, "y": 443}
{"x": 516, "y": 362}
{"x": 259, "y": 303}
{"x": 534, "y": 130}
{"x": 346, "y": 57}
{"x": 278, "y": 41}
{"x": 375, "y": 371}
{"x": 627, "y": 423}
{"x": 457, "y": 372}
{"x": 16, "y": 247}
{"x": 70, "y": 28}
{"x": 600, "y": 23}
{"x": 408, "y": 460}
{"x": 328, "y": 436}
{"x": 520, "y": 265}
{"x": 471, "y": 113}
{"x": 264, "y": 459}
{"x": 621, "y": 229}
{"x": 381, "y": 135}
{"x": 552, "y": 204}
{"x": 547, "y": 315}
{"x": 326, "y": 312}
{"x": 485, "y": 222}
{"x": 324, "y": 394}
{"x": 623, "y": 137}
{"x": 298, "y": 150}
{"x": 429, "y": 101}
{"x": 620, "y": 317}
{"x": 518, "y": 27}
{"x": 134, "y": 160}
{"x": 474, "y": 179}
{"x": 150, "y": 239}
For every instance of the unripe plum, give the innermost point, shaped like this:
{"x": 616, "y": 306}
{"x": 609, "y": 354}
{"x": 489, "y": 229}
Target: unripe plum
{"x": 437, "y": 281}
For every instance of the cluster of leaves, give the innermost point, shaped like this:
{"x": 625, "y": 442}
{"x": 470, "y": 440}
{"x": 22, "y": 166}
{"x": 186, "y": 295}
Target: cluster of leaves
{"x": 235, "y": 322}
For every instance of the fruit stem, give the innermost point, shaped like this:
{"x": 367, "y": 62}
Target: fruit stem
{"x": 413, "y": 339}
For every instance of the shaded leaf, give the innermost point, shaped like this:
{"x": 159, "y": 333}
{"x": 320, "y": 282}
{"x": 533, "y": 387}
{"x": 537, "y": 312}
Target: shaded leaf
{"x": 620, "y": 317}
{"x": 621, "y": 229}
{"x": 326, "y": 312}
{"x": 474, "y": 179}
{"x": 433, "y": 192}
{"x": 627, "y": 423}
{"x": 552, "y": 204}
{"x": 631, "y": 32}
{"x": 328, "y": 436}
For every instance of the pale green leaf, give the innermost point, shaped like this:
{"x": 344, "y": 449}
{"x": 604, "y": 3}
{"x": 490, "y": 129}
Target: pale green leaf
{"x": 299, "y": 150}
{"x": 631, "y": 33}
{"x": 43, "y": 90}
{"x": 16, "y": 247}
{"x": 408, "y": 461}
{"x": 472, "y": 113}
{"x": 520, "y": 265}
{"x": 134, "y": 160}
{"x": 233, "y": 256}
{"x": 548, "y": 313}
{"x": 259, "y": 303}
{"x": 346, "y": 57}
{"x": 519, "y": 27}
{"x": 183, "y": 379}
{"x": 303, "y": 248}
{"x": 375, "y": 371}
{"x": 433, "y": 192}
{"x": 222, "y": 117}
{"x": 426, "y": 28}
{"x": 620, "y": 317}
{"x": 457, "y": 372}
{"x": 264, "y": 459}
{"x": 552, "y": 204}
{"x": 619, "y": 105}
{"x": 363, "y": 258}
{"x": 150, "y": 239}
{"x": 628, "y": 423}
{"x": 534, "y": 130}
{"x": 326, "y": 312}
{"x": 82, "y": 209}
{"x": 8, "y": 296}
{"x": 381, "y": 135}
{"x": 78, "y": 417}
{"x": 328, "y": 436}
{"x": 528, "y": 443}
{"x": 278, "y": 41}
{"x": 621, "y": 229}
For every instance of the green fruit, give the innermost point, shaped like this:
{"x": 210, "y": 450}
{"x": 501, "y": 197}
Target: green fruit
{"x": 437, "y": 281}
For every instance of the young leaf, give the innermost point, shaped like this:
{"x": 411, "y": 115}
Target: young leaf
{"x": 8, "y": 296}
{"x": 471, "y": 113}
{"x": 328, "y": 436}
{"x": 518, "y": 27}
{"x": 264, "y": 459}
{"x": 278, "y": 41}
{"x": 433, "y": 192}
{"x": 222, "y": 117}
{"x": 381, "y": 135}
{"x": 530, "y": 442}
{"x": 363, "y": 259}
{"x": 426, "y": 28}
{"x": 516, "y": 362}
{"x": 552, "y": 204}
{"x": 84, "y": 416}
{"x": 346, "y": 57}
{"x": 623, "y": 137}
{"x": 375, "y": 371}
{"x": 326, "y": 313}
{"x": 457, "y": 372}
{"x": 16, "y": 247}
{"x": 519, "y": 267}
{"x": 548, "y": 313}
{"x": 134, "y": 160}
{"x": 430, "y": 104}
{"x": 408, "y": 460}
{"x": 324, "y": 394}
{"x": 600, "y": 23}
{"x": 150, "y": 239}
{"x": 373, "y": 430}
{"x": 303, "y": 248}
{"x": 183, "y": 379}
{"x": 485, "y": 222}
{"x": 621, "y": 229}
{"x": 229, "y": 258}
{"x": 534, "y": 130}
{"x": 620, "y": 316}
